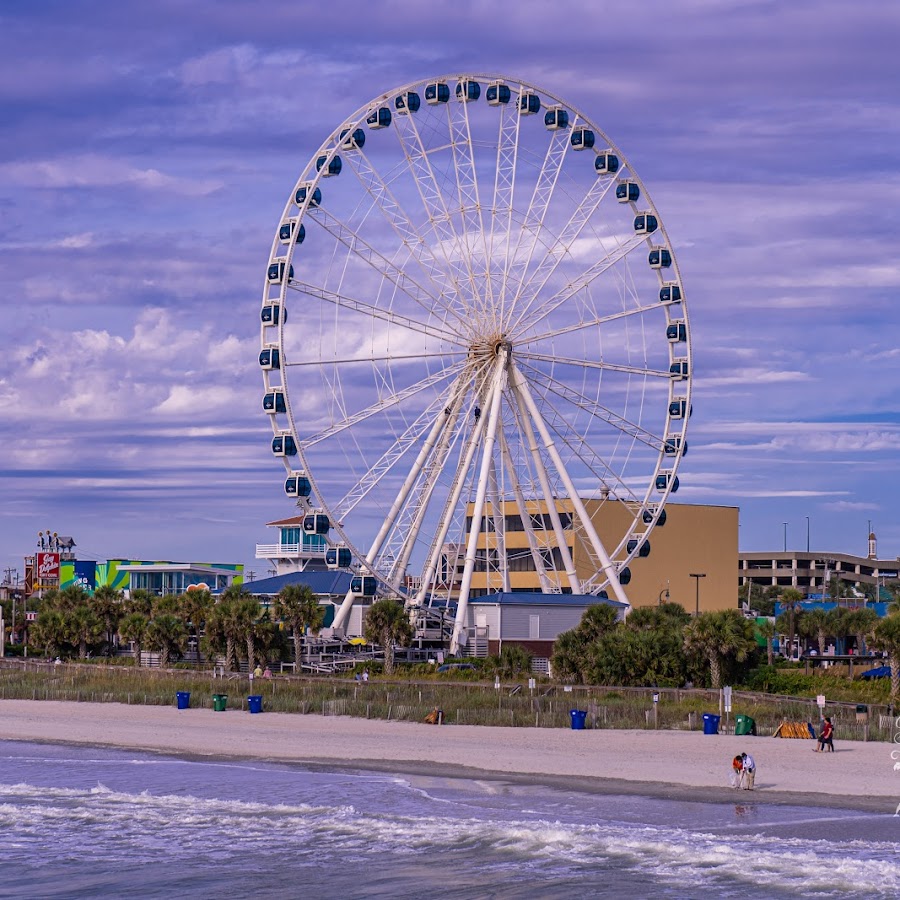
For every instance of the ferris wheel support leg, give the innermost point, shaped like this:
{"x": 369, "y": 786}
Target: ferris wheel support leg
{"x": 608, "y": 567}
{"x": 449, "y": 507}
{"x": 435, "y": 465}
{"x": 478, "y": 510}
{"x": 340, "y": 619}
{"x": 544, "y": 478}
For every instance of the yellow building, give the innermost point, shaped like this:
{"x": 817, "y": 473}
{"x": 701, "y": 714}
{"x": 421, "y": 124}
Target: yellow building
{"x": 695, "y": 540}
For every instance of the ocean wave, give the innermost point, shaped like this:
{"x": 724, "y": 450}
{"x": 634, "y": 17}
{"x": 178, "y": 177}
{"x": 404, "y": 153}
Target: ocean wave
{"x": 186, "y": 826}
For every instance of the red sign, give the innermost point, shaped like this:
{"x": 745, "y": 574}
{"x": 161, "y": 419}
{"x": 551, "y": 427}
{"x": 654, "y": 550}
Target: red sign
{"x": 47, "y": 567}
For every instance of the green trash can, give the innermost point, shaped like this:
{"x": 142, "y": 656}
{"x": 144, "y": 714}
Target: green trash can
{"x": 220, "y": 701}
{"x": 744, "y": 725}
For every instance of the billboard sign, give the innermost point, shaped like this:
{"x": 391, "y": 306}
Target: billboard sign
{"x": 47, "y": 567}
{"x": 86, "y": 575}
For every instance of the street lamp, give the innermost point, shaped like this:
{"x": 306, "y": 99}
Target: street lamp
{"x": 659, "y": 599}
{"x": 785, "y": 536}
{"x": 697, "y": 576}
{"x": 807, "y": 534}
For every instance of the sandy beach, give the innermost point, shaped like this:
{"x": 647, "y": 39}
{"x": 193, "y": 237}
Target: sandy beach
{"x": 683, "y": 765}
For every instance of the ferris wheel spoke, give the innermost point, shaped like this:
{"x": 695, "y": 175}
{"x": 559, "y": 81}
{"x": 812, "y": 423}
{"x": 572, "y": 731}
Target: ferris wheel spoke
{"x": 504, "y": 192}
{"x": 586, "y": 404}
{"x": 490, "y": 438}
{"x": 410, "y": 526}
{"x": 522, "y": 324}
{"x": 580, "y": 449}
{"x": 380, "y": 406}
{"x": 562, "y": 245}
{"x": 535, "y": 215}
{"x": 438, "y": 424}
{"x": 431, "y": 418}
{"x": 401, "y": 223}
{"x": 521, "y": 386}
{"x": 549, "y": 494}
{"x": 357, "y": 360}
{"x": 435, "y": 206}
{"x": 466, "y": 457}
{"x": 588, "y": 323}
{"x": 364, "y": 251}
{"x": 596, "y": 364}
{"x": 374, "y": 312}
{"x": 470, "y": 210}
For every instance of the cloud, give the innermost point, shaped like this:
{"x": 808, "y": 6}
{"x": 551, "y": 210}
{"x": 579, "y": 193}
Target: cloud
{"x": 94, "y": 171}
{"x": 141, "y": 182}
{"x": 851, "y": 506}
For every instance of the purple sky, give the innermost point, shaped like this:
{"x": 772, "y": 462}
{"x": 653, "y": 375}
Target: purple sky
{"x": 147, "y": 151}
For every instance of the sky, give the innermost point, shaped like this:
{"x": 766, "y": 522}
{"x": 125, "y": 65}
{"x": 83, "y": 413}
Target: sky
{"x": 147, "y": 151}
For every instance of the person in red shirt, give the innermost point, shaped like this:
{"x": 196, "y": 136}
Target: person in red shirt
{"x": 826, "y": 736}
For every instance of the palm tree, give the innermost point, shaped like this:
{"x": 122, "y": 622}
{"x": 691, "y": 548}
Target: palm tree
{"x": 859, "y": 623}
{"x": 133, "y": 628}
{"x": 885, "y": 635}
{"x": 790, "y": 599}
{"x": 768, "y": 631}
{"x": 140, "y": 601}
{"x": 49, "y": 631}
{"x": 719, "y": 637}
{"x": 387, "y": 624}
{"x": 248, "y": 615}
{"x": 568, "y": 658}
{"x": 513, "y": 660}
{"x": 71, "y": 598}
{"x": 223, "y": 630}
{"x": 838, "y": 588}
{"x": 814, "y": 624}
{"x": 194, "y": 609}
{"x": 84, "y": 627}
{"x": 596, "y": 621}
{"x": 299, "y": 608}
{"x": 837, "y": 623}
{"x": 166, "y": 633}
{"x": 108, "y": 605}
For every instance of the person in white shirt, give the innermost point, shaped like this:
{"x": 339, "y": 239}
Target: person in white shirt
{"x": 749, "y": 771}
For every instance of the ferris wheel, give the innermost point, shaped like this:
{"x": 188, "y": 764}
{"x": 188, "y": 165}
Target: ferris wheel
{"x": 475, "y": 348}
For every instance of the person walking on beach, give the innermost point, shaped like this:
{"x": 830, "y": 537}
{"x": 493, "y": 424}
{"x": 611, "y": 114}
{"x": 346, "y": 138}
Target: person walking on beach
{"x": 749, "y": 771}
{"x": 826, "y": 736}
{"x": 737, "y": 771}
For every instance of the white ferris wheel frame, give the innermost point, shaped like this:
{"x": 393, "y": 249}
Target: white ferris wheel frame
{"x": 460, "y": 296}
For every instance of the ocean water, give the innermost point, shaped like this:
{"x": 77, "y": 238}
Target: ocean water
{"x": 83, "y": 822}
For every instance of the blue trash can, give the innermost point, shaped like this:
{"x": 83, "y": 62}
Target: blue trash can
{"x": 710, "y": 723}
{"x": 578, "y": 719}
{"x": 254, "y": 703}
{"x": 183, "y": 698}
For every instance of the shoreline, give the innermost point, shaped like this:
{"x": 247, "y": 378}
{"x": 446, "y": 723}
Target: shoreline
{"x": 600, "y": 762}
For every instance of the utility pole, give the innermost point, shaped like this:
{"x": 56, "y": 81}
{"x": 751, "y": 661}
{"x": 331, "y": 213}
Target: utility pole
{"x": 785, "y": 524}
{"x": 807, "y": 534}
